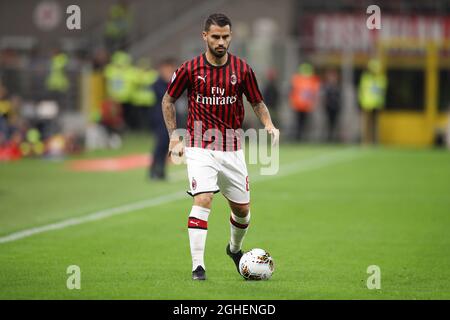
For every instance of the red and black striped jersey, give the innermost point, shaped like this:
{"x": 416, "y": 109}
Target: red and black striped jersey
{"x": 215, "y": 106}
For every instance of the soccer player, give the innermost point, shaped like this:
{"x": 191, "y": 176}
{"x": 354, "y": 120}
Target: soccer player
{"x": 215, "y": 81}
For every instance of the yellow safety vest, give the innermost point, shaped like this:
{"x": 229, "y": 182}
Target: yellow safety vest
{"x": 57, "y": 79}
{"x": 119, "y": 82}
{"x": 143, "y": 94}
{"x": 372, "y": 91}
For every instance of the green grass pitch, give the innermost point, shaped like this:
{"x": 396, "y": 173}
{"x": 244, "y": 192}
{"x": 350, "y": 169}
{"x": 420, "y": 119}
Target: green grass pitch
{"x": 329, "y": 214}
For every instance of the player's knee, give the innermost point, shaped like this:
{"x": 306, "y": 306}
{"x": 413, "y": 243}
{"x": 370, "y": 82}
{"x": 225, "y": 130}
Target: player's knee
{"x": 203, "y": 200}
{"x": 241, "y": 210}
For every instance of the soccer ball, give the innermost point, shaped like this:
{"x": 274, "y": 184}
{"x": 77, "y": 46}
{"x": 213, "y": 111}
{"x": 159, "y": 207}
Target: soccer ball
{"x": 256, "y": 264}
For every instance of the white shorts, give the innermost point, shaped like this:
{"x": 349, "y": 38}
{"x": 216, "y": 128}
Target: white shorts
{"x": 214, "y": 171}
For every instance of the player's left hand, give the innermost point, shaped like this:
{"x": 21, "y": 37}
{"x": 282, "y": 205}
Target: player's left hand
{"x": 275, "y": 133}
{"x": 176, "y": 151}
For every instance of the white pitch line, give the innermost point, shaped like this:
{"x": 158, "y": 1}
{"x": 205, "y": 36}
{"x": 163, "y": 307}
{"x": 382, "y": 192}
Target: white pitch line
{"x": 99, "y": 215}
{"x": 292, "y": 168}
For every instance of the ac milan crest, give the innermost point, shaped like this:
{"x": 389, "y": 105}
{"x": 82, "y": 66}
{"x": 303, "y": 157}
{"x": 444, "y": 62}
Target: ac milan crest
{"x": 233, "y": 79}
{"x": 194, "y": 184}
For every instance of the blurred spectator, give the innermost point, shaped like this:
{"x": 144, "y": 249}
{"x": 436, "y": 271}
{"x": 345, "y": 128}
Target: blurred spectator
{"x": 304, "y": 94}
{"x": 120, "y": 77}
{"x": 111, "y": 120}
{"x": 5, "y": 112}
{"x": 10, "y": 150}
{"x": 100, "y": 59}
{"x": 166, "y": 69}
{"x": 143, "y": 96}
{"x": 447, "y": 129}
{"x": 57, "y": 80}
{"x": 3, "y": 122}
{"x": 118, "y": 26}
{"x": 32, "y": 144}
{"x": 10, "y": 63}
{"x": 10, "y": 120}
{"x": 271, "y": 94}
{"x": 371, "y": 94}
{"x": 332, "y": 102}
{"x": 111, "y": 117}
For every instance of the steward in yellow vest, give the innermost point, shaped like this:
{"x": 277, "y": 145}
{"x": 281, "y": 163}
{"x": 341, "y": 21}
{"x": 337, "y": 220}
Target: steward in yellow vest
{"x": 371, "y": 95}
{"x": 57, "y": 80}
{"x": 119, "y": 75}
{"x": 143, "y": 94}
{"x": 372, "y": 87}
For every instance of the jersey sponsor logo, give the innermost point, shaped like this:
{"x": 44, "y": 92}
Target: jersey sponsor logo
{"x": 217, "y": 97}
{"x": 216, "y": 100}
{"x": 233, "y": 79}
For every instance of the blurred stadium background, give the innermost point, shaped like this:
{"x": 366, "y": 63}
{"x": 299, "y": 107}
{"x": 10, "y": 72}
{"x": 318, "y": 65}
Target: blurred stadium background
{"x": 412, "y": 48}
{"x": 84, "y": 98}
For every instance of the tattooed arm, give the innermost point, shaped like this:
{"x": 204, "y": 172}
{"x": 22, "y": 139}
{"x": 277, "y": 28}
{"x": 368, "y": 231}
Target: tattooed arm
{"x": 263, "y": 114}
{"x": 169, "y": 114}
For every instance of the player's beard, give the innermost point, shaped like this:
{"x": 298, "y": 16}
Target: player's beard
{"x": 217, "y": 54}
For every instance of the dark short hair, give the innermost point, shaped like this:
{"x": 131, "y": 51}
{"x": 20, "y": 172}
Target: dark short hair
{"x": 218, "y": 19}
